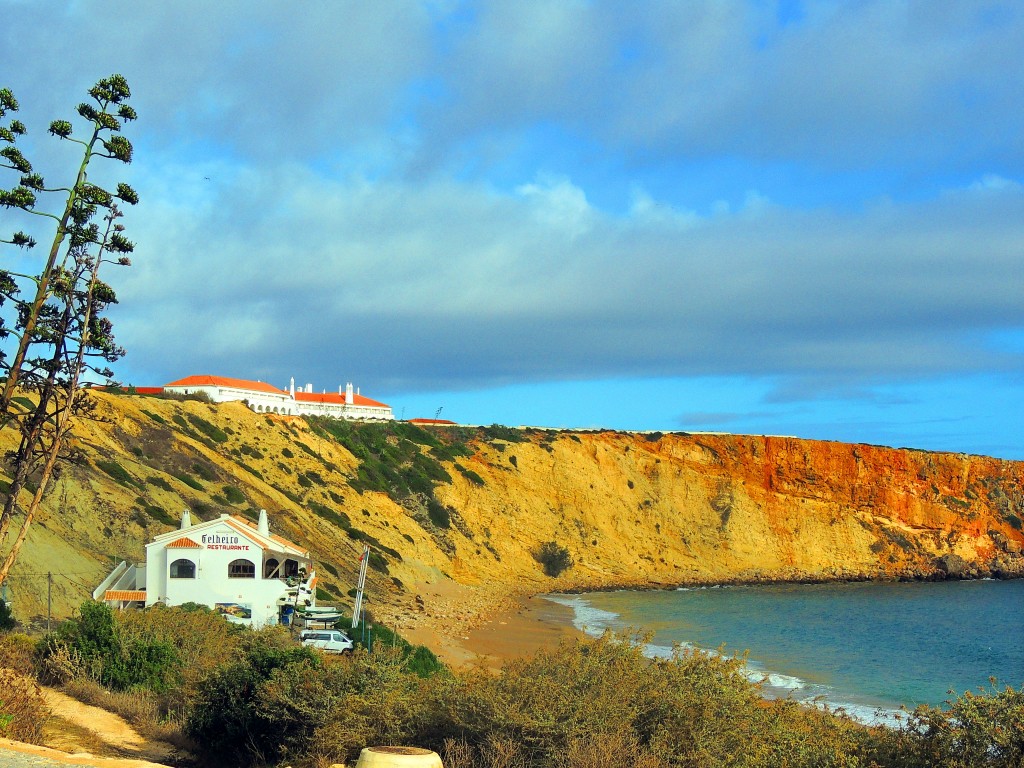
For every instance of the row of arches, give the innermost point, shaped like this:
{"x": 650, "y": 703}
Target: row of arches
{"x": 267, "y": 409}
{"x": 183, "y": 568}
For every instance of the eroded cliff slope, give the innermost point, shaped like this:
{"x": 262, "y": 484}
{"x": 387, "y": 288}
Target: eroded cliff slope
{"x": 473, "y": 505}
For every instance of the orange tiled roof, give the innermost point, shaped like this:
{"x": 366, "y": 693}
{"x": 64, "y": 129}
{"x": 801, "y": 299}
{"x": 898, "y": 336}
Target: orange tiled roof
{"x": 224, "y": 381}
{"x": 125, "y": 594}
{"x": 184, "y": 543}
{"x": 335, "y": 398}
{"x": 237, "y": 523}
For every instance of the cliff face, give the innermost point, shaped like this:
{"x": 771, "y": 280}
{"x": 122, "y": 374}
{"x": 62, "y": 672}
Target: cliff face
{"x": 631, "y": 509}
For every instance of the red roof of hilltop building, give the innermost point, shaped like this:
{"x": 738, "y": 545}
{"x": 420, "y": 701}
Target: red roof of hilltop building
{"x": 224, "y": 381}
{"x": 334, "y": 397}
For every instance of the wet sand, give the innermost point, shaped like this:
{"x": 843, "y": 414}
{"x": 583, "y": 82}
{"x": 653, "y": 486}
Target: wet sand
{"x": 466, "y": 627}
{"x": 532, "y": 624}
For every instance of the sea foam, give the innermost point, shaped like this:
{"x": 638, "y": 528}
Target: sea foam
{"x": 775, "y": 685}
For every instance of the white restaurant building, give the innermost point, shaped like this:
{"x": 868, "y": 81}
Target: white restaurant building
{"x": 237, "y": 568}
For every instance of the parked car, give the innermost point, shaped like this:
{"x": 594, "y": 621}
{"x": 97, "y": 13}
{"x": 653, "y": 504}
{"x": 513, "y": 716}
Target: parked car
{"x": 327, "y": 640}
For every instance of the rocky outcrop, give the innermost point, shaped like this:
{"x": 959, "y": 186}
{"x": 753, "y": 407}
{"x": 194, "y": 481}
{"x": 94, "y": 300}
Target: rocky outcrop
{"x": 632, "y": 509}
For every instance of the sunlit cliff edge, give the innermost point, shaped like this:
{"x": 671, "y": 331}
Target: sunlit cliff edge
{"x": 632, "y": 509}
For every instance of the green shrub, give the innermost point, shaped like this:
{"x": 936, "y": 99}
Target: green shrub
{"x": 23, "y": 710}
{"x": 188, "y": 480}
{"x": 159, "y": 482}
{"x": 117, "y": 472}
{"x": 438, "y": 514}
{"x": 377, "y": 562}
{"x": 553, "y": 557}
{"x": 233, "y": 495}
{"x": 115, "y": 661}
{"x": 156, "y": 417}
{"x": 251, "y": 470}
{"x": 159, "y": 514}
{"x": 7, "y": 622}
{"x": 340, "y": 519}
{"x": 204, "y": 470}
{"x": 247, "y": 450}
{"x": 263, "y": 706}
{"x": 501, "y": 432}
{"x": 212, "y": 431}
{"x": 306, "y": 448}
{"x": 470, "y": 475}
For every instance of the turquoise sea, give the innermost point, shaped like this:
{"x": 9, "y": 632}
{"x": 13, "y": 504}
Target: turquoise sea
{"x": 867, "y": 647}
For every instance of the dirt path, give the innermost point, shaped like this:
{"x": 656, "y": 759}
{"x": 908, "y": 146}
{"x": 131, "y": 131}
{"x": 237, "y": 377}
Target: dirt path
{"x": 111, "y": 729}
{"x": 80, "y": 734}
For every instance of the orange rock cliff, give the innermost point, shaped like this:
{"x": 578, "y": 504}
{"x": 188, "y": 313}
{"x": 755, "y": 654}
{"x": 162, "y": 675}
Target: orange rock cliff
{"x": 631, "y": 509}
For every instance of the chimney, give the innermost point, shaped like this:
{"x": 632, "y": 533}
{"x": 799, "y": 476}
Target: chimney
{"x": 186, "y": 520}
{"x": 309, "y": 388}
{"x": 263, "y": 526}
{"x": 291, "y": 388}
{"x": 349, "y": 399}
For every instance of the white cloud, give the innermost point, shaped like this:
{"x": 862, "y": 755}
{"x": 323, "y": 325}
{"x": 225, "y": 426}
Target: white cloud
{"x": 401, "y": 277}
{"x": 385, "y": 191}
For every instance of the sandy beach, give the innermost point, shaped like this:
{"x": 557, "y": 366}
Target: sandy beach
{"x": 468, "y": 627}
{"x": 532, "y": 624}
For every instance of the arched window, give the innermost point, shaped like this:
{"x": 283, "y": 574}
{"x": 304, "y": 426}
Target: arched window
{"x": 241, "y": 569}
{"x": 291, "y": 568}
{"x": 183, "y": 569}
{"x": 271, "y": 568}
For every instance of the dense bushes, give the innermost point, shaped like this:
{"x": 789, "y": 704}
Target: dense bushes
{"x": 256, "y": 697}
{"x": 7, "y": 621}
{"x": 584, "y": 705}
{"x": 23, "y": 711}
{"x": 390, "y": 458}
{"x": 553, "y": 558}
{"x": 93, "y": 644}
{"x": 265, "y": 704}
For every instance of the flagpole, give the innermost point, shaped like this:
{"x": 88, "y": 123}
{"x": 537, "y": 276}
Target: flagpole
{"x": 359, "y": 587}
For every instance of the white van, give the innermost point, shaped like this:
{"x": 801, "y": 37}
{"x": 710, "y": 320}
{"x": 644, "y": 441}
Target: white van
{"x": 327, "y": 640}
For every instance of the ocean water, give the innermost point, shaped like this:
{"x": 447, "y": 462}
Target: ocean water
{"x": 869, "y": 648}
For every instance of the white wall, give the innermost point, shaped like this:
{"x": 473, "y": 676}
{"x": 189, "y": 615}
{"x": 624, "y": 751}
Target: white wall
{"x": 220, "y": 545}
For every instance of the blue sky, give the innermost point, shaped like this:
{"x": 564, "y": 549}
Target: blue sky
{"x": 788, "y": 218}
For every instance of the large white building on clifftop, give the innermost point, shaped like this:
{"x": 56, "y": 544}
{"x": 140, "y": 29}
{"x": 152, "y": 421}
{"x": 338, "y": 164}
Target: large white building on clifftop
{"x": 261, "y": 397}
